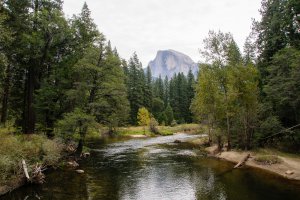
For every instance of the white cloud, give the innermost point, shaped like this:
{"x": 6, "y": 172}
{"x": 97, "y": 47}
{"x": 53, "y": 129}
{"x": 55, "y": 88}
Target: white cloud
{"x": 146, "y": 26}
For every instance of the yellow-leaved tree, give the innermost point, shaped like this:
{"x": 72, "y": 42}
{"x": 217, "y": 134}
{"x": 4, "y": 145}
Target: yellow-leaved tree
{"x": 143, "y": 117}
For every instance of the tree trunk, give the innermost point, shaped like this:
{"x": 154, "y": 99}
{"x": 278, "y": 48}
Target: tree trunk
{"x": 6, "y": 91}
{"x": 93, "y": 90}
{"x": 228, "y": 134}
{"x": 82, "y": 133}
{"x": 29, "y": 113}
{"x": 227, "y": 122}
{"x": 79, "y": 147}
{"x": 246, "y": 135}
{"x": 219, "y": 141}
{"x": 210, "y": 127}
{"x": 49, "y": 124}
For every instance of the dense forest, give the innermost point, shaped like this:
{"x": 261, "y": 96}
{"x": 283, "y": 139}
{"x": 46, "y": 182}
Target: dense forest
{"x": 61, "y": 75}
{"x": 252, "y": 99}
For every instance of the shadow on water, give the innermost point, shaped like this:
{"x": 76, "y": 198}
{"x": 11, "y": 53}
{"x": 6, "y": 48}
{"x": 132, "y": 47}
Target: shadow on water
{"x": 157, "y": 168}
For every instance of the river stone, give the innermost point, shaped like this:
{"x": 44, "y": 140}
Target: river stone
{"x": 289, "y": 172}
{"x": 72, "y": 164}
{"x": 79, "y": 171}
{"x": 84, "y": 155}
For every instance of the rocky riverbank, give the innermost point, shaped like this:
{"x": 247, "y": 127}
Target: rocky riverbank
{"x": 287, "y": 166}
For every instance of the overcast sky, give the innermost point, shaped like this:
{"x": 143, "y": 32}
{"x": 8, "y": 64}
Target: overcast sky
{"x": 146, "y": 26}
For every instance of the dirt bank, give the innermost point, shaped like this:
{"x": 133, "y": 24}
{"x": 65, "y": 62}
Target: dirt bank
{"x": 288, "y": 168}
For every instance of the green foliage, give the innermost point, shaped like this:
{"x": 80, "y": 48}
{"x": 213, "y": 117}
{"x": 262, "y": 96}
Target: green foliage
{"x": 269, "y": 125}
{"x": 227, "y": 92}
{"x": 33, "y": 149}
{"x": 173, "y": 123}
{"x": 162, "y": 118}
{"x": 153, "y": 126}
{"x": 282, "y": 85}
{"x": 267, "y": 160}
{"x": 135, "y": 86}
{"x": 157, "y": 107}
{"x": 76, "y": 122}
{"x": 277, "y": 29}
{"x": 169, "y": 115}
{"x": 278, "y": 47}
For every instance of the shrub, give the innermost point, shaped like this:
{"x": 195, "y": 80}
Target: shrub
{"x": 267, "y": 160}
{"x": 32, "y": 148}
{"x": 52, "y": 150}
{"x": 173, "y": 123}
{"x": 153, "y": 126}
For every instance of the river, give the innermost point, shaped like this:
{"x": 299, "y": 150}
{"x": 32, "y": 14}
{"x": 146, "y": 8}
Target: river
{"x": 157, "y": 169}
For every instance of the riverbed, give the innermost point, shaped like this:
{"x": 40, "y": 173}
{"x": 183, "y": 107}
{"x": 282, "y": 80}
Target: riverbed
{"x": 157, "y": 169}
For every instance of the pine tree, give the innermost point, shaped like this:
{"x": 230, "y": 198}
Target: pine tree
{"x": 135, "y": 87}
{"x": 166, "y": 90}
{"x": 57, "y": 79}
{"x": 5, "y": 67}
{"x": 148, "y": 90}
{"x": 190, "y": 95}
{"x": 169, "y": 115}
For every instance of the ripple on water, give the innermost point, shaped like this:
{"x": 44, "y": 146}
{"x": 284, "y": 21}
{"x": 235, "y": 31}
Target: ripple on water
{"x": 147, "y": 169}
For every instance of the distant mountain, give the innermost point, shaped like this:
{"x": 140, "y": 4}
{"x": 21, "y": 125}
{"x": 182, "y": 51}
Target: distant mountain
{"x": 169, "y": 62}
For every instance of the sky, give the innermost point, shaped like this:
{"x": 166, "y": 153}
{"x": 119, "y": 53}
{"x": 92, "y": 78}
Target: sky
{"x": 146, "y": 26}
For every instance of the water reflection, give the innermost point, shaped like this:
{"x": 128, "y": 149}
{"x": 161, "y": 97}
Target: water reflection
{"x": 157, "y": 168}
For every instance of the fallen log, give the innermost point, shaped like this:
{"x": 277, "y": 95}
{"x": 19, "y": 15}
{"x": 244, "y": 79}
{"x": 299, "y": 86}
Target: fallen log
{"x": 25, "y": 170}
{"x": 242, "y": 162}
{"x": 38, "y": 177}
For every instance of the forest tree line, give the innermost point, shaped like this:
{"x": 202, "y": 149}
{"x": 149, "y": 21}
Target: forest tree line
{"x": 253, "y": 98}
{"x": 62, "y": 74}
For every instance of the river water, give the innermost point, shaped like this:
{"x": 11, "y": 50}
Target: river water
{"x": 157, "y": 169}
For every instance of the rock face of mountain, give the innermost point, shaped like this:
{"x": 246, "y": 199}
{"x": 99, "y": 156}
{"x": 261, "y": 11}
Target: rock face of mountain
{"x": 169, "y": 62}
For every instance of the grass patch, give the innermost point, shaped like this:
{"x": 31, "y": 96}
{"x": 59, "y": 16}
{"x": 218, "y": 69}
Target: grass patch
{"x": 271, "y": 151}
{"x": 139, "y": 130}
{"x": 163, "y": 130}
{"x": 199, "y": 141}
{"x": 267, "y": 159}
{"x": 32, "y": 148}
{"x": 134, "y": 130}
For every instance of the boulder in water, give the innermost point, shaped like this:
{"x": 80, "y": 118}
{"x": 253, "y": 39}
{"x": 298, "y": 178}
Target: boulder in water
{"x": 177, "y": 141}
{"x": 79, "y": 171}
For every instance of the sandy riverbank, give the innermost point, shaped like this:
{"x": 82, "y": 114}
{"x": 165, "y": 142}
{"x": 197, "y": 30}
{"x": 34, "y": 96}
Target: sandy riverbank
{"x": 288, "y": 163}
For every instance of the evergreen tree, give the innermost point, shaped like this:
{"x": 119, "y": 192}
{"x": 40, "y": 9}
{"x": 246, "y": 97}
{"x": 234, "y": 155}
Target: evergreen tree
{"x": 277, "y": 29}
{"x": 148, "y": 90}
{"x": 57, "y": 84}
{"x": 282, "y": 88}
{"x": 5, "y": 67}
{"x": 135, "y": 87}
{"x": 190, "y": 95}
{"x": 166, "y": 90}
{"x": 169, "y": 115}
{"x": 158, "y": 108}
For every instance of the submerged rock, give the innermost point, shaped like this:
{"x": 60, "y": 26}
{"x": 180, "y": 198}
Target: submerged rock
{"x": 85, "y": 155}
{"x": 177, "y": 141}
{"x": 72, "y": 164}
{"x": 79, "y": 171}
